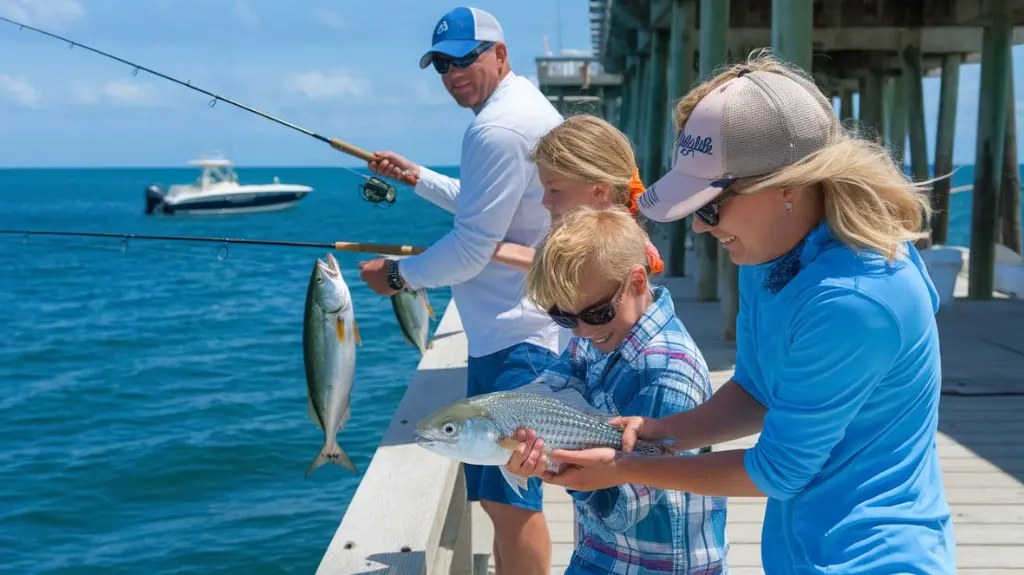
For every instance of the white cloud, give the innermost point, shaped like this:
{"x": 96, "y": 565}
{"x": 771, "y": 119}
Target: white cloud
{"x": 52, "y": 14}
{"x": 118, "y": 92}
{"x": 329, "y": 18}
{"x": 20, "y": 91}
{"x": 317, "y": 85}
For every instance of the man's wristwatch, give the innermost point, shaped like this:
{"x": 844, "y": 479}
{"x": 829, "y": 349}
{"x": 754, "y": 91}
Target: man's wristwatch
{"x": 395, "y": 280}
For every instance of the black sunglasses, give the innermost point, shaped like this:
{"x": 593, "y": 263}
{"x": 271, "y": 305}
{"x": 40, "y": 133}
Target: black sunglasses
{"x": 597, "y": 314}
{"x": 441, "y": 63}
{"x": 708, "y": 213}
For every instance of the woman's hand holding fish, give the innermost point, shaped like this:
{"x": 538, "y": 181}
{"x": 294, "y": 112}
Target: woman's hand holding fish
{"x": 588, "y": 469}
{"x": 635, "y": 427}
{"x": 528, "y": 460}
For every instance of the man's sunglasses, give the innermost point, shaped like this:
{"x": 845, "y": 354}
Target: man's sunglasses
{"x": 441, "y": 63}
{"x": 708, "y": 213}
{"x": 598, "y": 314}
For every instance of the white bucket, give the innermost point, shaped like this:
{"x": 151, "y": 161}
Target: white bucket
{"x": 944, "y": 265}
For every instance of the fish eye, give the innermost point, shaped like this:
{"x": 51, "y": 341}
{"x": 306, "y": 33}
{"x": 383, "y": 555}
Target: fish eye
{"x": 448, "y": 428}
{"x": 319, "y": 279}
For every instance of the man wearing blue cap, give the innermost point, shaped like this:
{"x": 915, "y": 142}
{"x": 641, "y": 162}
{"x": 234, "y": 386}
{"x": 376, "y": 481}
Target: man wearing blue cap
{"x": 496, "y": 199}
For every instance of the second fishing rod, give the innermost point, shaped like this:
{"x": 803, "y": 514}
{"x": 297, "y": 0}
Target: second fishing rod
{"x": 374, "y": 189}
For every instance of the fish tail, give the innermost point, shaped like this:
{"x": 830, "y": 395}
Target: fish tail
{"x": 332, "y": 453}
{"x": 656, "y": 447}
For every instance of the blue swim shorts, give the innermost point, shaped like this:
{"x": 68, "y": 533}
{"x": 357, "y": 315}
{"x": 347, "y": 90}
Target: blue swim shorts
{"x": 501, "y": 371}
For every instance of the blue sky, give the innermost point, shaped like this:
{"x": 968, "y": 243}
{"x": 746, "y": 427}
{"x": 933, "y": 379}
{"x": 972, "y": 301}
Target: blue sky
{"x": 343, "y": 69}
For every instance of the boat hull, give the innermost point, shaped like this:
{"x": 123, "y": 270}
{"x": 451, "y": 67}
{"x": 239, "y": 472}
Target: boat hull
{"x": 218, "y": 204}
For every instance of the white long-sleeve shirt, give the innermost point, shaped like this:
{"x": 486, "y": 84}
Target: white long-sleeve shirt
{"x": 497, "y": 198}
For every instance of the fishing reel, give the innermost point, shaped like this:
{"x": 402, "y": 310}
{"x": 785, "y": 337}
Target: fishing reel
{"x": 377, "y": 192}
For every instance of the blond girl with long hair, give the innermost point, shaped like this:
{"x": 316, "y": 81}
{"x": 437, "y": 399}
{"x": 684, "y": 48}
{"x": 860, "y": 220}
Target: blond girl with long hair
{"x": 584, "y": 161}
{"x": 837, "y": 361}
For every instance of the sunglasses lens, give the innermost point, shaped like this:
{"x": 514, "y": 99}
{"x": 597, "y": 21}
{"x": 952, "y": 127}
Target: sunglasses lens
{"x": 441, "y": 65}
{"x": 600, "y": 316}
{"x": 561, "y": 318}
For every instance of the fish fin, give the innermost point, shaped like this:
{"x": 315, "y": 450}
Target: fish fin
{"x": 569, "y": 396}
{"x": 518, "y": 483}
{"x": 339, "y": 330}
{"x": 312, "y": 412}
{"x": 344, "y": 417}
{"x": 355, "y": 328}
{"x": 332, "y": 453}
{"x": 430, "y": 309}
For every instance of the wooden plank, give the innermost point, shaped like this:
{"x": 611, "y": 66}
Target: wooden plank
{"x": 376, "y": 532}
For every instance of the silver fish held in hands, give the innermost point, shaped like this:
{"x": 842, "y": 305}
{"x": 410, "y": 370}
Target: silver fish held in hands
{"x": 413, "y": 311}
{"x": 478, "y": 430}
{"x": 329, "y": 337}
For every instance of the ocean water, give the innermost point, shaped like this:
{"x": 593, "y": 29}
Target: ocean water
{"x": 152, "y": 400}
{"x": 152, "y": 406}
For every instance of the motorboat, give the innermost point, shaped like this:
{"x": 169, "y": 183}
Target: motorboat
{"x": 217, "y": 191}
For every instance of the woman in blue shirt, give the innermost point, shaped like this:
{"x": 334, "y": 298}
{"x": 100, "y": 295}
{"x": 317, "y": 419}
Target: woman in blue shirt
{"x": 837, "y": 363}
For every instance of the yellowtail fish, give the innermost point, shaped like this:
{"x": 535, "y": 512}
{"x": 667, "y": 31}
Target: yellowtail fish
{"x": 413, "y": 311}
{"x": 329, "y": 338}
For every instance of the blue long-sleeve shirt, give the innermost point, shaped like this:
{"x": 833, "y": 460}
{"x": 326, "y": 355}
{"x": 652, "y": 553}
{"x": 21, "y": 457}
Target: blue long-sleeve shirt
{"x": 633, "y": 529}
{"x": 843, "y": 349}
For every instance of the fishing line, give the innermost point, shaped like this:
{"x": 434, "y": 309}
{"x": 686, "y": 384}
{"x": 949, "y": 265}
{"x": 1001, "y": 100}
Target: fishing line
{"x": 374, "y": 190}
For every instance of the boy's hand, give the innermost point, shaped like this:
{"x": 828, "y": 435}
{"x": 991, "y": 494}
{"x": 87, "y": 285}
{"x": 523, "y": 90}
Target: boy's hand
{"x": 636, "y": 427}
{"x": 528, "y": 460}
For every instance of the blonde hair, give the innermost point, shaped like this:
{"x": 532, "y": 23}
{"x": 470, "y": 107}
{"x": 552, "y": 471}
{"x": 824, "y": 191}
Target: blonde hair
{"x": 869, "y": 202}
{"x": 589, "y": 149}
{"x": 605, "y": 239}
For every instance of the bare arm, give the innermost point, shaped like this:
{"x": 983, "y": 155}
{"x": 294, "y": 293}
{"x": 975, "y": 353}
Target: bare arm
{"x": 731, "y": 413}
{"x": 514, "y": 255}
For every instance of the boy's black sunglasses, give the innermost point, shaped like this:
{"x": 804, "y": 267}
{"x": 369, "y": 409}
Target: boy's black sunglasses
{"x": 708, "y": 213}
{"x": 598, "y": 314}
{"x": 441, "y": 63}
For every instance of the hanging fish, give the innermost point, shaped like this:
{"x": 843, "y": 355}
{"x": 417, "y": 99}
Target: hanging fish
{"x": 329, "y": 338}
{"x": 413, "y": 311}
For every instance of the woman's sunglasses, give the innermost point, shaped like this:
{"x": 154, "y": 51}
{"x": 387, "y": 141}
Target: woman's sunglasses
{"x": 441, "y": 63}
{"x": 708, "y": 213}
{"x": 598, "y": 314}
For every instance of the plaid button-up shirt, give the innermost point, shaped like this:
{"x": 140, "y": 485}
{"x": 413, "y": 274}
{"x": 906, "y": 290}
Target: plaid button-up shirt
{"x": 632, "y": 529}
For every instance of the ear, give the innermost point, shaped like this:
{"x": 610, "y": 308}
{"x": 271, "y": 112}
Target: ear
{"x": 794, "y": 195}
{"x": 638, "y": 281}
{"x": 501, "y": 52}
{"x": 603, "y": 191}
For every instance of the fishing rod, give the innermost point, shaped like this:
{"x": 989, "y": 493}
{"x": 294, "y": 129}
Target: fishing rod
{"x": 361, "y": 247}
{"x": 374, "y": 189}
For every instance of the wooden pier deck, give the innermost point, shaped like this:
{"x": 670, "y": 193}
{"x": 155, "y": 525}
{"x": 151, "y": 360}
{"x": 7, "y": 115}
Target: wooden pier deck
{"x": 409, "y": 514}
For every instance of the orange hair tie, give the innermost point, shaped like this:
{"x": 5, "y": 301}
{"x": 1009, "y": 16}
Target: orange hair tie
{"x": 654, "y": 259}
{"x": 635, "y": 187}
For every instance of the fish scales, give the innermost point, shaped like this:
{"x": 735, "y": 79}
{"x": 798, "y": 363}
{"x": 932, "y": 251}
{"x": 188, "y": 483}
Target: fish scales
{"x": 560, "y": 426}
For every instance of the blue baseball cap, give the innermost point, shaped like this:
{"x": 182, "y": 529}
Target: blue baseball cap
{"x": 458, "y": 32}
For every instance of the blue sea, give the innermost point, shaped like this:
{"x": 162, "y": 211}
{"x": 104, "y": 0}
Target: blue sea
{"x": 153, "y": 410}
{"x": 152, "y": 406}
